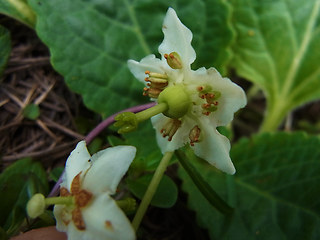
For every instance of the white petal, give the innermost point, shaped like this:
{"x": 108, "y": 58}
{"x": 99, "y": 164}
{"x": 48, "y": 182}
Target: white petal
{"x": 108, "y": 167}
{"x": 232, "y": 96}
{"x": 179, "y": 138}
{"x": 214, "y": 148}
{"x": 105, "y": 220}
{"x": 60, "y": 213}
{"x": 76, "y": 162}
{"x": 148, "y": 63}
{"x": 177, "y": 38}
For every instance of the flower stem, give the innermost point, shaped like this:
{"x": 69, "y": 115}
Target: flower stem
{"x": 108, "y": 121}
{"x": 150, "y": 112}
{"x": 151, "y": 189}
{"x": 274, "y": 117}
{"x": 59, "y": 200}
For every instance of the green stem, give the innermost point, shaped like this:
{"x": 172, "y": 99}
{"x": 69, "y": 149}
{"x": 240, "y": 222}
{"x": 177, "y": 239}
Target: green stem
{"x": 59, "y": 200}
{"x": 274, "y": 116}
{"x": 151, "y": 189}
{"x": 150, "y": 112}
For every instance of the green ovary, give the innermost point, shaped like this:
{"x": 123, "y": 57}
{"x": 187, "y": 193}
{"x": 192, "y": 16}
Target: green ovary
{"x": 177, "y": 100}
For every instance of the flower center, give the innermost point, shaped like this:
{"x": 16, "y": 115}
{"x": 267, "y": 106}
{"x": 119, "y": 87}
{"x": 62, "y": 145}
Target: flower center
{"x": 82, "y": 198}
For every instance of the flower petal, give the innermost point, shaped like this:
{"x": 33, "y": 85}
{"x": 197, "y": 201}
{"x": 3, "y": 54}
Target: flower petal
{"x": 177, "y": 38}
{"x": 105, "y": 220}
{"x": 148, "y": 63}
{"x": 63, "y": 218}
{"x": 108, "y": 167}
{"x": 76, "y": 162}
{"x": 232, "y": 96}
{"x": 214, "y": 147}
{"x": 180, "y": 137}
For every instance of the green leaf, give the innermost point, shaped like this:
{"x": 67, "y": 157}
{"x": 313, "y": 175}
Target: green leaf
{"x": 274, "y": 191}
{"x": 18, "y": 9}
{"x": 18, "y": 183}
{"x": 277, "y": 48}
{"x": 148, "y": 153}
{"x": 165, "y": 196}
{"x": 91, "y": 41}
{"x": 31, "y": 111}
{"x": 5, "y": 48}
{"x": 56, "y": 173}
{"x": 213, "y": 45}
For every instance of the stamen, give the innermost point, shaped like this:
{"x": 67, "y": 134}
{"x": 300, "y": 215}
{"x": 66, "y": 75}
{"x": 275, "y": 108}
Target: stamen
{"x": 173, "y": 60}
{"x": 157, "y": 82}
{"x": 78, "y": 219}
{"x": 194, "y": 135}
{"x": 200, "y": 88}
{"x": 211, "y": 97}
{"x": 152, "y": 92}
{"x": 170, "y": 128}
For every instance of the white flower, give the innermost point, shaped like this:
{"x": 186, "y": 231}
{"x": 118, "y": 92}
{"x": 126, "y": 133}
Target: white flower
{"x": 91, "y": 181}
{"x": 214, "y": 99}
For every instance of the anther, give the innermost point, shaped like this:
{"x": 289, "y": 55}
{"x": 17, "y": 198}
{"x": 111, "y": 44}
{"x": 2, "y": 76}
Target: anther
{"x": 170, "y": 128}
{"x": 194, "y": 135}
{"x": 156, "y": 83}
{"x": 199, "y": 88}
{"x": 173, "y": 60}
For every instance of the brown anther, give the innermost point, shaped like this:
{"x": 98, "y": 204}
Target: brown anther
{"x": 199, "y": 88}
{"x": 83, "y": 198}
{"x": 215, "y": 103}
{"x": 194, "y": 135}
{"x": 206, "y": 105}
{"x": 206, "y": 113}
{"x": 170, "y": 128}
{"x": 78, "y": 219}
{"x": 64, "y": 192}
{"x": 171, "y": 55}
{"x": 147, "y": 72}
{"x": 108, "y": 225}
{"x": 166, "y": 56}
{"x": 75, "y": 185}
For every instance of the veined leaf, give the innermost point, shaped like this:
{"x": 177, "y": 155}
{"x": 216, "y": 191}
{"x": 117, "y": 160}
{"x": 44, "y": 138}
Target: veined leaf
{"x": 91, "y": 41}
{"x": 18, "y": 9}
{"x": 274, "y": 192}
{"x": 277, "y": 47}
